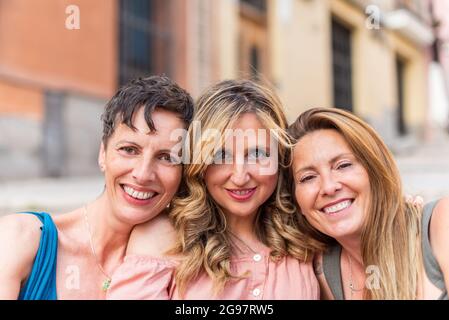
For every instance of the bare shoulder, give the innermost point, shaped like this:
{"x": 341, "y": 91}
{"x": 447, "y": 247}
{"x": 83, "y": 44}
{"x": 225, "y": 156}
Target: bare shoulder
{"x": 20, "y": 231}
{"x": 439, "y": 232}
{"x": 19, "y": 241}
{"x": 152, "y": 238}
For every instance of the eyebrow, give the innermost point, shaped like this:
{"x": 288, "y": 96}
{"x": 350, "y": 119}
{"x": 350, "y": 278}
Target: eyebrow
{"x": 166, "y": 149}
{"x": 334, "y": 159}
{"x": 127, "y": 142}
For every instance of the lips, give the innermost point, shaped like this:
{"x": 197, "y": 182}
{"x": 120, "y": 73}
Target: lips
{"x": 337, "y": 206}
{"x": 241, "y": 194}
{"x": 137, "y": 195}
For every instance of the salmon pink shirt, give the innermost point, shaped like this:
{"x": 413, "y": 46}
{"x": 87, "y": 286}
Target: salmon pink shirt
{"x": 147, "y": 278}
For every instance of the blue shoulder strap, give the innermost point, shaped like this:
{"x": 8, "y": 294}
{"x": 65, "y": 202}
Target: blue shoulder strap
{"x": 41, "y": 284}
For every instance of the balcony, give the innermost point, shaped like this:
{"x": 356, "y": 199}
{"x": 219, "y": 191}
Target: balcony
{"x": 411, "y": 22}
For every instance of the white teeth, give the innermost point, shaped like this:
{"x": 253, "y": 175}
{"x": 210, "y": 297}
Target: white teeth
{"x": 338, "y": 207}
{"x": 241, "y": 192}
{"x": 138, "y": 195}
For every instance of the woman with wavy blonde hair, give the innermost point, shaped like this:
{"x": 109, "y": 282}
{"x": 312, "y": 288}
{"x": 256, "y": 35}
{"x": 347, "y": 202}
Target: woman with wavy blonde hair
{"x": 234, "y": 232}
{"x": 348, "y": 190}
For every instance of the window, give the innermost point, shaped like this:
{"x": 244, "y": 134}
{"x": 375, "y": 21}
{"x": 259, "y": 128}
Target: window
{"x": 401, "y": 127}
{"x": 254, "y": 62}
{"x": 253, "y": 39}
{"x": 260, "y": 5}
{"x": 145, "y": 38}
{"x": 341, "y": 66}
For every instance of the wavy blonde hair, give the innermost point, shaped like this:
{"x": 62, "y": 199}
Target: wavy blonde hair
{"x": 203, "y": 239}
{"x": 391, "y": 232}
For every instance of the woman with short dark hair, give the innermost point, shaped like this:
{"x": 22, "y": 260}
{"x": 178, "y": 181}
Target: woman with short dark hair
{"x": 73, "y": 255}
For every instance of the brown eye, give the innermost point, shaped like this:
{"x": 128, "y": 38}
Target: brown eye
{"x": 166, "y": 157}
{"x": 306, "y": 178}
{"x": 169, "y": 158}
{"x": 344, "y": 165}
{"x": 129, "y": 150}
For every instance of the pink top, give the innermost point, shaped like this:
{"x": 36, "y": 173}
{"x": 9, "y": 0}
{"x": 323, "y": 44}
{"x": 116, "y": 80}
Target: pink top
{"x": 147, "y": 278}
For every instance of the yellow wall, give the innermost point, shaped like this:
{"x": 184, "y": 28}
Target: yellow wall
{"x": 301, "y": 54}
{"x": 301, "y": 63}
{"x": 415, "y": 91}
{"x": 374, "y": 68}
{"x": 300, "y": 58}
{"x": 228, "y": 23}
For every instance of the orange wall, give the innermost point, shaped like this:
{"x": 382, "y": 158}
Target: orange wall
{"x": 36, "y": 48}
{"x": 25, "y": 102}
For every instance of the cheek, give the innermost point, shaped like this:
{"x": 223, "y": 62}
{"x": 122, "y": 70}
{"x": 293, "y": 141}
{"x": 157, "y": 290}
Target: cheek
{"x": 215, "y": 175}
{"x": 301, "y": 198}
{"x": 171, "y": 178}
{"x": 115, "y": 169}
{"x": 306, "y": 203}
{"x": 298, "y": 197}
{"x": 305, "y": 199}
{"x": 116, "y": 165}
{"x": 269, "y": 181}
{"x": 362, "y": 183}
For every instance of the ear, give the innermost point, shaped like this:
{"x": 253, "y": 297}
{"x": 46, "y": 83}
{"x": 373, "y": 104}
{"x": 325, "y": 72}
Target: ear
{"x": 102, "y": 157}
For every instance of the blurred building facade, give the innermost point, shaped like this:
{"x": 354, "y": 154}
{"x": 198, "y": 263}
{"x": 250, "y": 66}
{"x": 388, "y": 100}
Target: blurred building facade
{"x": 370, "y": 57}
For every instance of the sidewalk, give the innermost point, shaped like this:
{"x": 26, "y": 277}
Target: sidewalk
{"x": 425, "y": 171}
{"x": 49, "y": 195}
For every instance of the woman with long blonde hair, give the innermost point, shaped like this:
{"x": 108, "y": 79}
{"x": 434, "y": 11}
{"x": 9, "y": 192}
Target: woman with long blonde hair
{"x": 234, "y": 232}
{"x": 375, "y": 245}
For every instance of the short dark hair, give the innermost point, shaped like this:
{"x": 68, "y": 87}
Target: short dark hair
{"x": 149, "y": 93}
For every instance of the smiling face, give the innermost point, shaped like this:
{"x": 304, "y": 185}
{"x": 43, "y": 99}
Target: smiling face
{"x": 140, "y": 169}
{"x": 239, "y": 184}
{"x": 332, "y": 187}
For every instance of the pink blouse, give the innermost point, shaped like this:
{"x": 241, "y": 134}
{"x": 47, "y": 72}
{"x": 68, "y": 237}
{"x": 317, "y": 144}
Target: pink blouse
{"x": 147, "y": 278}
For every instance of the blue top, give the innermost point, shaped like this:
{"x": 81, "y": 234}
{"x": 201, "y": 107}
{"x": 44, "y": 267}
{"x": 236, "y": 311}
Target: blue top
{"x": 41, "y": 283}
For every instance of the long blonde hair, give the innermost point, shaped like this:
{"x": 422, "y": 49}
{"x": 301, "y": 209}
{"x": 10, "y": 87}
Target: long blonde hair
{"x": 204, "y": 240}
{"x": 390, "y": 237}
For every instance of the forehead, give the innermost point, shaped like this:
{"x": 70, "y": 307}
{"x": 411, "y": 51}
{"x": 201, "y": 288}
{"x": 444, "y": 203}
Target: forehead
{"x": 247, "y": 121}
{"x": 166, "y": 123}
{"x": 248, "y": 128}
{"x": 322, "y": 144}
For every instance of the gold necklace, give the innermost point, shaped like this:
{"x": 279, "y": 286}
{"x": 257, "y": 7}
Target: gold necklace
{"x": 351, "y": 283}
{"x": 243, "y": 242}
{"x": 107, "y": 281}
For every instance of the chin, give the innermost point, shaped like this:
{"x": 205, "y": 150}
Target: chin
{"x": 135, "y": 217}
{"x": 242, "y": 213}
{"x": 342, "y": 232}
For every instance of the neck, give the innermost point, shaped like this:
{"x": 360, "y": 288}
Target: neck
{"x": 109, "y": 236}
{"x": 243, "y": 227}
{"x": 352, "y": 246}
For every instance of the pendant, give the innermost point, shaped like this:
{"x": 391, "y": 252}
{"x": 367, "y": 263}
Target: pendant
{"x": 106, "y": 284}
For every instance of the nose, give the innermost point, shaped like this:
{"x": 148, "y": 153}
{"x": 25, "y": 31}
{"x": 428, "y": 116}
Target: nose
{"x": 239, "y": 175}
{"x": 329, "y": 185}
{"x": 144, "y": 171}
